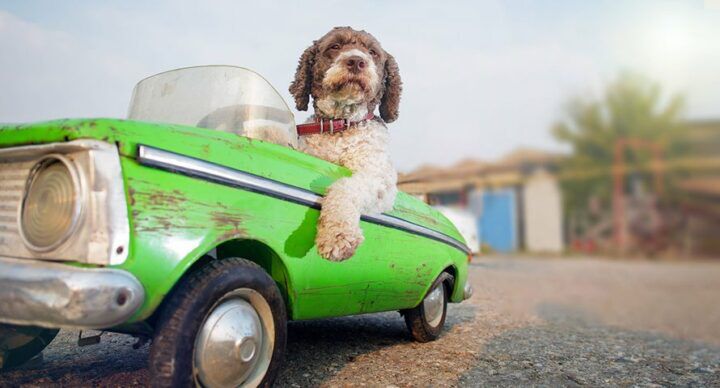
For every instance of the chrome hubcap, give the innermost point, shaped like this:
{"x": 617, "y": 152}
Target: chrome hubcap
{"x": 433, "y": 305}
{"x": 235, "y": 343}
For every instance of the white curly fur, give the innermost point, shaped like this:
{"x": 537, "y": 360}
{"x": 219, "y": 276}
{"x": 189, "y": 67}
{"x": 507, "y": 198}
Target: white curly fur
{"x": 370, "y": 190}
{"x": 346, "y": 73}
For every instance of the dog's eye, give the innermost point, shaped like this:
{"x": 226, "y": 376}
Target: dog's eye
{"x": 373, "y": 52}
{"x": 336, "y": 46}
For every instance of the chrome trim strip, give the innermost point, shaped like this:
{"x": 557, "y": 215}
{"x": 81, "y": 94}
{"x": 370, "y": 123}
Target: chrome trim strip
{"x": 56, "y": 295}
{"x": 407, "y": 226}
{"x": 187, "y": 165}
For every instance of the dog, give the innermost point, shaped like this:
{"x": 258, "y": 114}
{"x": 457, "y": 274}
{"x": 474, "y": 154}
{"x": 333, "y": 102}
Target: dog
{"x": 348, "y": 75}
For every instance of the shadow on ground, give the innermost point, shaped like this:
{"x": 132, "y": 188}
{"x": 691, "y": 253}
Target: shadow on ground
{"x": 571, "y": 348}
{"x": 113, "y": 362}
{"x": 317, "y": 350}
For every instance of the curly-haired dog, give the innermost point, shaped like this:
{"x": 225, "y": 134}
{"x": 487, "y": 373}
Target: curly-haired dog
{"x": 348, "y": 74}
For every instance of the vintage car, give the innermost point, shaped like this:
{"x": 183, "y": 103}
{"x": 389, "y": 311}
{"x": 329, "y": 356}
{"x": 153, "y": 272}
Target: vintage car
{"x": 197, "y": 236}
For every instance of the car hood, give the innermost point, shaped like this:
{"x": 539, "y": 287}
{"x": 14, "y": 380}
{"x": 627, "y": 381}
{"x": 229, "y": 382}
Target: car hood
{"x": 227, "y": 149}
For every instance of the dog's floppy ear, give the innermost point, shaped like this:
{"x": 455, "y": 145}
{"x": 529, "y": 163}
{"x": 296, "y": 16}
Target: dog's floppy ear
{"x": 300, "y": 87}
{"x": 390, "y": 102}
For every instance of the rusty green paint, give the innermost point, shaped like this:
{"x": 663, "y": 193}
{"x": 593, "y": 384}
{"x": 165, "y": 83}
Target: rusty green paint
{"x": 175, "y": 220}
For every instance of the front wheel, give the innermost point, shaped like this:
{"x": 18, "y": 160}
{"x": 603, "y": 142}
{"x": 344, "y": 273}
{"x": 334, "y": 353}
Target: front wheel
{"x": 224, "y": 325}
{"x": 425, "y": 321}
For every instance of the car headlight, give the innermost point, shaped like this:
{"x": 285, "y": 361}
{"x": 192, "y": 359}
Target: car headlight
{"x": 52, "y": 203}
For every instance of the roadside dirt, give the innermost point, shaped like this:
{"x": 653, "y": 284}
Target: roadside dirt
{"x": 531, "y": 321}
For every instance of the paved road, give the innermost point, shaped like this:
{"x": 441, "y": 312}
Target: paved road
{"x": 543, "y": 322}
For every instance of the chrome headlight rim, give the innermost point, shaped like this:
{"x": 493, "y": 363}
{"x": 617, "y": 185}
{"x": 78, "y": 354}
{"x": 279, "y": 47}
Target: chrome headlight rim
{"x": 78, "y": 187}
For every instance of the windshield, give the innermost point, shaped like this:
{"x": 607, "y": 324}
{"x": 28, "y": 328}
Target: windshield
{"x": 225, "y": 98}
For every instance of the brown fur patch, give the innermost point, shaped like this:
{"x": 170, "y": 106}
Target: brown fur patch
{"x": 320, "y": 56}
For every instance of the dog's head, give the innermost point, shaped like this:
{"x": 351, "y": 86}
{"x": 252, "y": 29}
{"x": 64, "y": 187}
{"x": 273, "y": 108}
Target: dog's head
{"x": 346, "y": 69}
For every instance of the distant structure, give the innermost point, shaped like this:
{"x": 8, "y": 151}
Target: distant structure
{"x": 698, "y": 191}
{"x": 516, "y": 200}
{"x": 669, "y": 206}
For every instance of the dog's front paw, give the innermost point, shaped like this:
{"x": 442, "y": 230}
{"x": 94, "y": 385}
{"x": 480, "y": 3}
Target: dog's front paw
{"x": 338, "y": 242}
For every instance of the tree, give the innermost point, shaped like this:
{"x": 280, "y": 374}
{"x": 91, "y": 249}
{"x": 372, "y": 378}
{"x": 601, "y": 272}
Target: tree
{"x": 632, "y": 107}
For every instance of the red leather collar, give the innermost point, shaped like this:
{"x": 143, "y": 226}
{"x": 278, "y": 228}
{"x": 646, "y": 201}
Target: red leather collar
{"x": 329, "y": 125}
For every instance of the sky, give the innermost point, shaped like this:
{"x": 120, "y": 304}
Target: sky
{"x": 481, "y": 78}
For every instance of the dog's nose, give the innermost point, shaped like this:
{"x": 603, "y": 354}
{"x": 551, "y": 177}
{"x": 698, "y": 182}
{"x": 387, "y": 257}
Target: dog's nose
{"x": 355, "y": 63}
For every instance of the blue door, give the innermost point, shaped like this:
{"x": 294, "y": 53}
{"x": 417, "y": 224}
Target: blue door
{"x": 497, "y": 224}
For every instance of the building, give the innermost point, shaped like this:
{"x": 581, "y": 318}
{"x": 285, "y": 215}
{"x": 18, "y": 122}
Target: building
{"x": 698, "y": 189}
{"x": 669, "y": 206}
{"x": 516, "y": 200}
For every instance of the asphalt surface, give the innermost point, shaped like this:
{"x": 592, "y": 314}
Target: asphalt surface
{"x": 531, "y": 322}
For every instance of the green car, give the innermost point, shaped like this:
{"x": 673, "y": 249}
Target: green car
{"x": 178, "y": 226}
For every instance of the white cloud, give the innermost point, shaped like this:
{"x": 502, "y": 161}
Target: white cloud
{"x": 480, "y": 78}
{"x": 49, "y": 74}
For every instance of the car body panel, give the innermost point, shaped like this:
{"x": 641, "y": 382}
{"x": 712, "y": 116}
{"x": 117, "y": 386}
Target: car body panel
{"x": 176, "y": 219}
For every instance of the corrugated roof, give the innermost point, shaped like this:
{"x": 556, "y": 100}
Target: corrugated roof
{"x": 469, "y": 169}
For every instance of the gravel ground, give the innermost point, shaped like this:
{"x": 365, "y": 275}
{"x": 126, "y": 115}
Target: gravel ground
{"x": 572, "y": 350}
{"x": 541, "y": 322}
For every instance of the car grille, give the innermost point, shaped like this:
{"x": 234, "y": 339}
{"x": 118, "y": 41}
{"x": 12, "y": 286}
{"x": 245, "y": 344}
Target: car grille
{"x": 12, "y": 183}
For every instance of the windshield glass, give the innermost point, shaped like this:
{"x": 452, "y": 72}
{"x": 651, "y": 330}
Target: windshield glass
{"x": 225, "y": 98}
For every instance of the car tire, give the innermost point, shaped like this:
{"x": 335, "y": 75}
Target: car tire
{"x": 228, "y": 306}
{"x": 425, "y": 321}
{"x": 19, "y": 344}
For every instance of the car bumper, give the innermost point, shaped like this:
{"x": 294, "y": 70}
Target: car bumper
{"x": 58, "y": 295}
{"x": 467, "y": 291}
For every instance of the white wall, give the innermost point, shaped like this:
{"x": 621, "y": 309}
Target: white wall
{"x": 542, "y": 211}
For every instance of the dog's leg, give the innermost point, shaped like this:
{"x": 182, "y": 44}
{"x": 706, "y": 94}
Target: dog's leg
{"x": 370, "y": 190}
